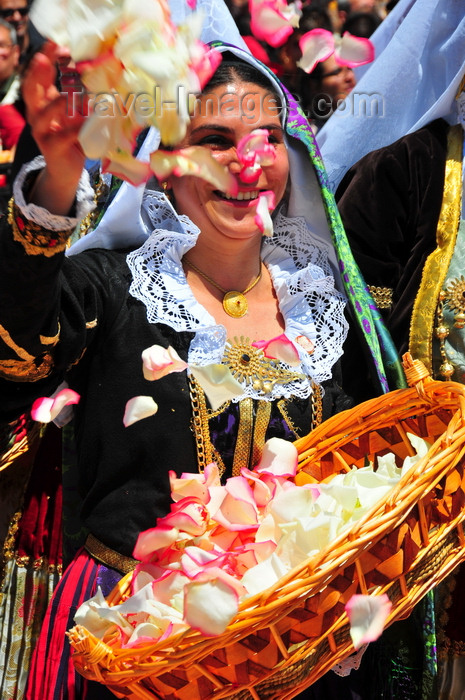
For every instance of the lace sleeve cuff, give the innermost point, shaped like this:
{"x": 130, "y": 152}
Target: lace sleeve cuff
{"x": 41, "y": 217}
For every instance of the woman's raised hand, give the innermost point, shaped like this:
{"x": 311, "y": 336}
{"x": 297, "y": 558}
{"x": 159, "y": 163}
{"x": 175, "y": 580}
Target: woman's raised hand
{"x": 55, "y": 132}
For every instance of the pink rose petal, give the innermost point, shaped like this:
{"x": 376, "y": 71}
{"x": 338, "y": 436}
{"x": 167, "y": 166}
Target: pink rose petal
{"x": 188, "y": 515}
{"x": 367, "y": 615}
{"x": 137, "y": 408}
{"x": 218, "y": 383}
{"x": 254, "y": 151}
{"x": 279, "y": 348}
{"x": 194, "y": 160}
{"x": 279, "y": 458}
{"x": 210, "y": 604}
{"x": 305, "y": 343}
{"x": 205, "y": 60}
{"x": 153, "y": 540}
{"x": 158, "y": 361}
{"x": 316, "y": 46}
{"x": 272, "y": 21}
{"x": 125, "y": 166}
{"x": 266, "y": 203}
{"x": 46, "y": 409}
{"x": 354, "y": 51}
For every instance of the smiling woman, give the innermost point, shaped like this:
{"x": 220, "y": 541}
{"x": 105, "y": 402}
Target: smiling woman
{"x": 96, "y": 314}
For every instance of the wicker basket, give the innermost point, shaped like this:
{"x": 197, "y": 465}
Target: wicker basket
{"x": 284, "y": 639}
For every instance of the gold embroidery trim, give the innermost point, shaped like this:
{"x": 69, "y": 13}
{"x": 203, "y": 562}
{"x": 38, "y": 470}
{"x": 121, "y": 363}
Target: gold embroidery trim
{"x": 27, "y": 368}
{"x": 50, "y": 340}
{"x": 262, "y": 421}
{"x": 382, "y": 296}
{"x": 244, "y": 436}
{"x": 34, "y": 238}
{"x": 91, "y": 324}
{"x": 437, "y": 264}
{"x": 109, "y": 556}
{"x": 8, "y": 340}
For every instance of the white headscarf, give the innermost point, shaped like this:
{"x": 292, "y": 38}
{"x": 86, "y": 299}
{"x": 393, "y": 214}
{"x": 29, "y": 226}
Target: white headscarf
{"x": 420, "y": 61}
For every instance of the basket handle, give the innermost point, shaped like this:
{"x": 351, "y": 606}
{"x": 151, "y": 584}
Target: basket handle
{"x": 416, "y": 374}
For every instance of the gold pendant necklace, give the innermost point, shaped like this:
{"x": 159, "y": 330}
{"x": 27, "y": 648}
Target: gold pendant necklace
{"x": 234, "y": 303}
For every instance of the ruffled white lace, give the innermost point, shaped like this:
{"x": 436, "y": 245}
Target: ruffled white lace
{"x": 352, "y": 663}
{"x": 84, "y": 200}
{"x": 308, "y": 300}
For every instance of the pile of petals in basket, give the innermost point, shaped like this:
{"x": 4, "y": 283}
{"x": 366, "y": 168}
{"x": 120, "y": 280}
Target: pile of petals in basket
{"x": 223, "y": 543}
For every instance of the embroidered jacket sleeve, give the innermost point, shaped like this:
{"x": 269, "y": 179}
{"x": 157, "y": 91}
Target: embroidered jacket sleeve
{"x": 36, "y": 300}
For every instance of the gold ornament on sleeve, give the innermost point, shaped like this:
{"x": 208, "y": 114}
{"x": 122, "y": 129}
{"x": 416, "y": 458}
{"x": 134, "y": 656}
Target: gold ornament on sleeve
{"x": 453, "y": 298}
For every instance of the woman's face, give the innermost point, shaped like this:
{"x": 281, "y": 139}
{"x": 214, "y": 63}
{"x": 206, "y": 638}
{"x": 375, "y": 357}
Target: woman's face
{"x": 337, "y": 81}
{"x": 221, "y": 119}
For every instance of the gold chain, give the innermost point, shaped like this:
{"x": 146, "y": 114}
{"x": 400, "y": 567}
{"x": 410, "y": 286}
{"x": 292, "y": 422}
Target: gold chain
{"x": 206, "y": 452}
{"x": 224, "y": 291}
{"x": 317, "y": 406}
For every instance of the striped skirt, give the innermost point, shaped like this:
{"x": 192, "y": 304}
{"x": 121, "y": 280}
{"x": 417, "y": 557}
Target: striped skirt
{"x": 52, "y": 675}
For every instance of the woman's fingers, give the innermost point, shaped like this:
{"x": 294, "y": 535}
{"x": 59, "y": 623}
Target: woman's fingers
{"x": 38, "y": 84}
{"x": 55, "y": 130}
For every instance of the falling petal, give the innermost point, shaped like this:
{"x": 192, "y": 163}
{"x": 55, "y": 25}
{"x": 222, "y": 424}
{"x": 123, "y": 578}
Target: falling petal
{"x": 137, "y": 408}
{"x": 158, "y": 361}
{"x": 266, "y": 203}
{"x": 254, "y": 151}
{"x": 126, "y": 167}
{"x": 316, "y": 46}
{"x": 272, "y": 21}
{"x": 47, "y": 409}
{"x": 194, "y": 160}
{"x": 218, "y": 383}
{"x": 367, "y": 616}
{"x": 279, "y": 348}
{"x": 205, "y": 60}
{"x": 354, "y": 51}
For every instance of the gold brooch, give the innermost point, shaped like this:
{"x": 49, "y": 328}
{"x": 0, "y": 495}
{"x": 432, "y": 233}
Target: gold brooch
{"x": 249, "y": 365}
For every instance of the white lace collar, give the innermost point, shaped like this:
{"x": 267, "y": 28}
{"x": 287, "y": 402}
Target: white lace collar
{"x": 308, "y": 300}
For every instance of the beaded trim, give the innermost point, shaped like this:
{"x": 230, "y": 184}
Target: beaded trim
{"x": 108, "y": 556}
{"x": 35, "y": 239}
{"x": 382, "y": 296}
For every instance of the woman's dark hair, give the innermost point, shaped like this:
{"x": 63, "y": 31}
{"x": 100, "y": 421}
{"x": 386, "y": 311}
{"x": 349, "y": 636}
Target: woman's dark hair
{"x": 232, "y": 68}
{"x": 361, "y": 24}
{"x": 310, "y": 90}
